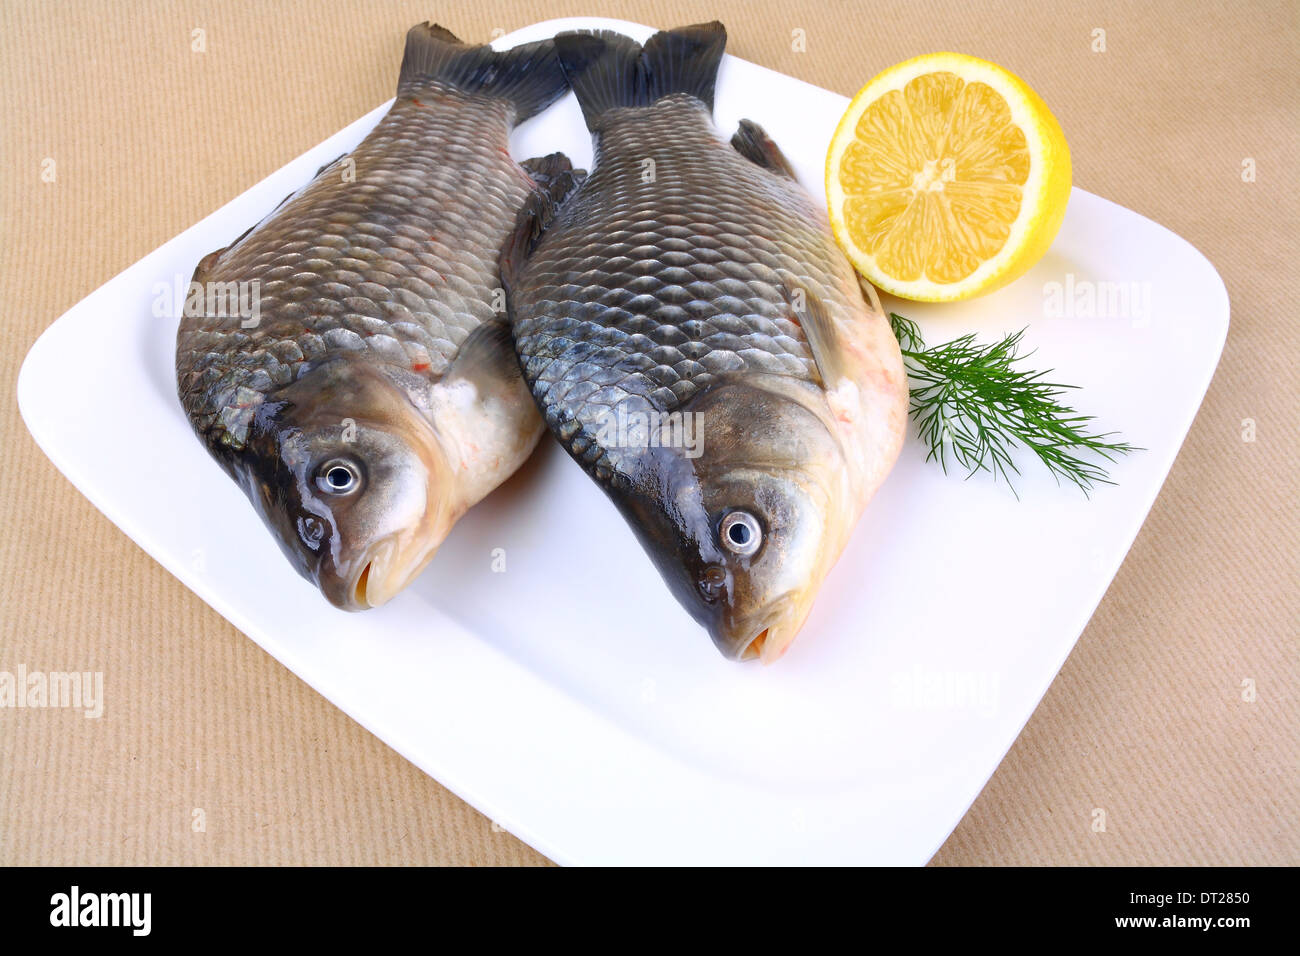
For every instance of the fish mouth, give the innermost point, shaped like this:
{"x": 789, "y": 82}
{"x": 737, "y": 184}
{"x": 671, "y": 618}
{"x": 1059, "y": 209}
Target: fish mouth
{"x": 769, "y": 638}
{"x": 384, "y": 571}
{"x": 769, "y": 644}
{"x": 755, "y": 647}
{"x": 359, "y": 589}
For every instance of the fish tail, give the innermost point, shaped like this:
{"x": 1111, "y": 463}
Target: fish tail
{"x": 528, "y": 75}
{"x": 608, "y": 70}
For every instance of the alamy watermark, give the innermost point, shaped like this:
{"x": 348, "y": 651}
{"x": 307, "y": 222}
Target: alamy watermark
{"x": 22, "y": 688}
{"x": 1084, "y": 299}
{"x": 226, "y": 300}
{"x": 919, "y": 689}
{"x": 131, "y": 911}
{"x": 652, "y": 429}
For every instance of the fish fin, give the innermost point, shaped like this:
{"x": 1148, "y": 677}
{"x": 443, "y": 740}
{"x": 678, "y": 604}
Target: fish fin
{"x": 819, "y": 330}
{"x": 547, "y": 170}
{"x": 322, "y": 169}
{"x": 209, "y": 262}
{"x": 486, "y": 358}
{"x": 528, "y": 75}
{"x": 556, "y": 181}
{"x": 870, "y": 295}
{"x": 684, "y": 60}
{"x": 608, "y": 70}
{"x": 752, "y": 142}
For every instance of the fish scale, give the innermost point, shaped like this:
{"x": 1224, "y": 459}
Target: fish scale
{"x": 360, "y": 266}
{"x": 641, "y": 293}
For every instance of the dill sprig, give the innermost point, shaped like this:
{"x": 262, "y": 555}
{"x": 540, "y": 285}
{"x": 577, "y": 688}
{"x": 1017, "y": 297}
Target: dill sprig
{"x": 974, "y": 403}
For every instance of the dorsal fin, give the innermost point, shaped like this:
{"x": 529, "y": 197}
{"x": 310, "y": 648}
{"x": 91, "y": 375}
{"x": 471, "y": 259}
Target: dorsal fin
{"x": 556, "y": 181}
{"x": 546, "y": 172}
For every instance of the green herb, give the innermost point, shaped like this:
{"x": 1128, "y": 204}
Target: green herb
{"x": 974, "y": 403}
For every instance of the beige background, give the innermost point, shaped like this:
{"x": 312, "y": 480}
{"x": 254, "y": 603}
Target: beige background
{"x": 1146, "y": 720}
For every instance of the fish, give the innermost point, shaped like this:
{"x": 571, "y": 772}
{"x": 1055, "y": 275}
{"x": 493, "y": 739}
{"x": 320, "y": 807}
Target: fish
{"x": 699, "y": 344}
{"x": 375, "y": 396}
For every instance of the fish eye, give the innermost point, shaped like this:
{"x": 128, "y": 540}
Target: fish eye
{"x": 339, "y": 476}
{"x": 741, "y": 533}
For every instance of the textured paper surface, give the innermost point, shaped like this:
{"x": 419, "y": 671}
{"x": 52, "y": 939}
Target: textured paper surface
{"x": 1147, "y": 720}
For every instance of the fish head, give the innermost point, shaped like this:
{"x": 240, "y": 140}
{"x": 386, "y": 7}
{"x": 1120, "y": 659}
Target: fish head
{"x": 351, "y": 479}
{"x": 745, "y": 531}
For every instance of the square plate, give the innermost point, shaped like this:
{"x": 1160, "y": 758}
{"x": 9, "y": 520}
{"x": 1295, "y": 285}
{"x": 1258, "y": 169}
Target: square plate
{"x": 568, "y": 697}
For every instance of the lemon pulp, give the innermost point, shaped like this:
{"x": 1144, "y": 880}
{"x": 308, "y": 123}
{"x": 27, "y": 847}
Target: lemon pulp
{"x": 947, "y": 178}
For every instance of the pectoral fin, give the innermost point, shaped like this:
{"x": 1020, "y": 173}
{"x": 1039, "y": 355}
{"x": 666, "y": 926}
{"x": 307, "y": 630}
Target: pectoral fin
{"x": 871, "y": 296}
{"x": 486, "y": 358}
{"x": 752, "y": 142}
{"x": 811, "y": 315}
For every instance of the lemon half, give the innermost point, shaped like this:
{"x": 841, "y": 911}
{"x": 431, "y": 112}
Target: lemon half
{"x": 947, "y": 178}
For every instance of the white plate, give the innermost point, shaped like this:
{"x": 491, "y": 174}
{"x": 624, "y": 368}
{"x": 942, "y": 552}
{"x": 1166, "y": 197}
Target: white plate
{"x": 569, "y": 698}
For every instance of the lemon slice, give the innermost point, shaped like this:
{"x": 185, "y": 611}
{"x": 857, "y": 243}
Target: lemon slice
{"x": 947, "y": 178}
